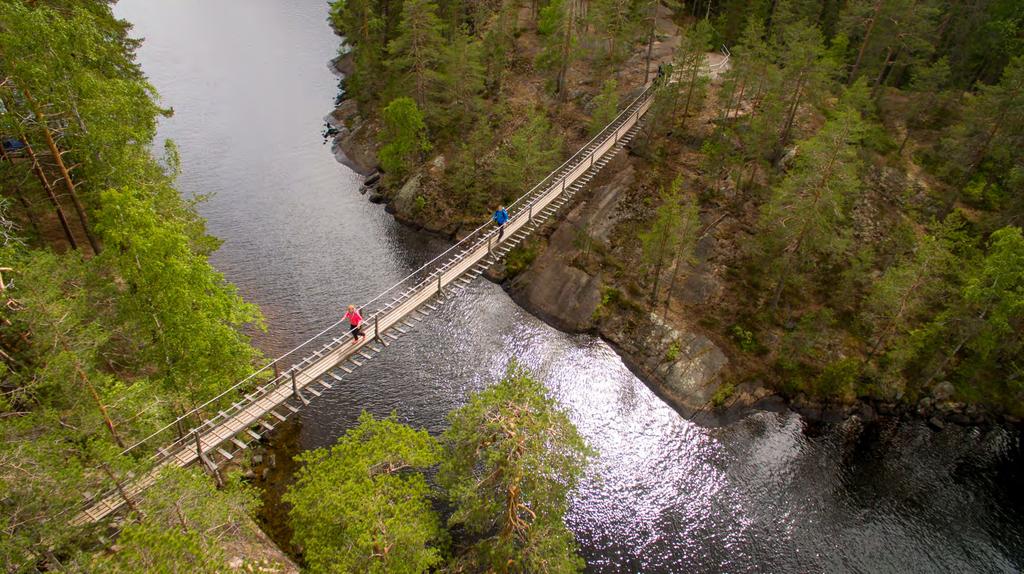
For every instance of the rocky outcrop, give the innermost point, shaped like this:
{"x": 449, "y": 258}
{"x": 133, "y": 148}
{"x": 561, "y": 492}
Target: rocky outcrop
{"x": 680, "y": 363}
{"x": 355, "y": 141}
{"x": 553, "y": 287}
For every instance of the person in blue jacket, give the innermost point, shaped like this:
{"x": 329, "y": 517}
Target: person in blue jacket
{"x": 501, "y": 217}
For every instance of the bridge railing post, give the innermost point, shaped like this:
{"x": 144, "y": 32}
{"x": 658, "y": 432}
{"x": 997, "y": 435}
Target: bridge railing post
{"x": 531, "y": 212}
{"x": 199, "y": 443}
{"x": 376, "y": 331}
{"x": 295, "y": 386}
{"x": 439, "y": 283}
{"x": 277, "y": 370}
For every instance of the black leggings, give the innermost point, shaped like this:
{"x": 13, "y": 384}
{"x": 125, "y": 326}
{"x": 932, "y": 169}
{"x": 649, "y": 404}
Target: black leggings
{"x": 357, "y": 331}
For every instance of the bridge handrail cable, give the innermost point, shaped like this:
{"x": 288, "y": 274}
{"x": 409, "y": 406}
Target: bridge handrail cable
{"x": 532, "y": 195}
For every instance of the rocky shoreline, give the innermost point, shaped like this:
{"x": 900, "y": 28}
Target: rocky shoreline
{"x": 679, "y": 362}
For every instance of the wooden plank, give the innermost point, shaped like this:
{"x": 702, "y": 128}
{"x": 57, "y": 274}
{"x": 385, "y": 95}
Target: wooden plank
{"x": 406, "y": 307}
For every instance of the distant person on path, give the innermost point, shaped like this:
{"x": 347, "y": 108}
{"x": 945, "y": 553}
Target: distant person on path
{"x": 355, "y": 321}
{"x": 501, "y": 217}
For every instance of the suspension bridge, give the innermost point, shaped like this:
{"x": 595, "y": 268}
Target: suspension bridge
{"x": 270, "y": 395}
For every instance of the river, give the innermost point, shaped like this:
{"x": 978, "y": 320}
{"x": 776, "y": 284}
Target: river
{"x": 250, "y": 86}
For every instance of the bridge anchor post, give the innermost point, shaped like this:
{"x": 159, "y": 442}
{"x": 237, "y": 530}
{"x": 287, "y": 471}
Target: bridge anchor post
{"x": 295, "y": 390}
{"x": 205, "y": 460}
{"x": 376, "y": 332}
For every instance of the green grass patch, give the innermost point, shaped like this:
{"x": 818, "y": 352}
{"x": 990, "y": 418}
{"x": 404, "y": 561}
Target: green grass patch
{"x": 723, "y": 394}
{"x": 520, "y": 257}
{"x": 744, "y": 339}
{"x": 673, "y": 352}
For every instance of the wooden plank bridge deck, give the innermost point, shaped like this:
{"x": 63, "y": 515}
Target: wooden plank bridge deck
{"x": 220, "y": 438}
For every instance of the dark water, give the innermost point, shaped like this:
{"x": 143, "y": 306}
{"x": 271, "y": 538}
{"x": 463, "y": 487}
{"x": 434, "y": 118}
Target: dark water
{"x": 250, "y": 85}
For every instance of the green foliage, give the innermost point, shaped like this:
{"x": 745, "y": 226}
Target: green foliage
{"x": 513, "y": 457}
{"x": 803, "y": 220}
{"x": 673, "y": 233}
{"x": 907, "y": 290}
{"x": 745, "y": 339}
{"x": 101, "y": 350}
{"x": 673, "y": 352}
{"x": 520, "y": 257}
{"x": 526, "y": 157}
{"x": 838, "y": 379}
{"x": 557, "y": 30}
{"x": 615, "y": 26}
{"x": 416, "y": 54}
{"x": 986, "y": 141}
{"x": 606, "y": 106}
{"x": 723, "y": 393}
{"x": 419, "y": 204}
{"x": 404, "y": 137}
{"x": 615, "y": 303}
{"x": 467, "y": 175}
{"x": 689, "y": 63}
{"x": 186, "y": 310}
{"x": 996, "y": 292}
{"x": 462, "y": 83}
{"x": 361, "y": 507}
{"x": 182, "y": 524}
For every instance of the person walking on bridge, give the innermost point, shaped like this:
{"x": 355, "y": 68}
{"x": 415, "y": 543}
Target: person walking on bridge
{"x": 501, "y": 217}
{"x": 355, "y": 321}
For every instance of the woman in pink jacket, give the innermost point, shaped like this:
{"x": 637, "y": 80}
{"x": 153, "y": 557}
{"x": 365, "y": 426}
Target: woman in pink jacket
{"x": 355, "y": 321}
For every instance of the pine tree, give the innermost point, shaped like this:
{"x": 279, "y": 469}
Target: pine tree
{"x": 527, "y": 156}
{"x": 404, "y": 137}
{"x": 802, "y": 221}
{"x": 691, "y": 65}
{"x": 992, "y": 128}
{"x": 672, "y": 236}
{"x": 181, "y": 525}
{"x": 606, "y": 106}
{"x": 557, "y": 28}
{"x": 511, "y": 458}
{"x": 614, "y": 26}
{"x": 361, "y": 506}
{"x": 906, "y": 290}
{"x": 928, "y": 99}
{"x": 416, "y": 53}
{"x": 462, "y": 82}
{"x": 805, "y": 75}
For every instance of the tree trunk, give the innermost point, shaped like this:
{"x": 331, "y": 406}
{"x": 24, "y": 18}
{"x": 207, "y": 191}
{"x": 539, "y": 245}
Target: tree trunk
{"x": 650, "y": 40}
{"x": 864, "y": 43}
{"x": 791, "y": 115}
{"x": 41, "y": 176}
{"x": 99, "y": 403}
{"x": 890, "y": 57}
{"x": 65, "y": 174}
{"x": 903, "y": 144}
{"x": 983, "y": 151}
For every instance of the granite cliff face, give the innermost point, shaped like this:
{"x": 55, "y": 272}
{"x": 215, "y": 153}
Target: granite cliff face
{"x": 678, "y": 360}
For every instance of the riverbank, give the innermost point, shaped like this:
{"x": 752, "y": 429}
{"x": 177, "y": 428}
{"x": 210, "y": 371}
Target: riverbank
{"x": 570, "y": 277}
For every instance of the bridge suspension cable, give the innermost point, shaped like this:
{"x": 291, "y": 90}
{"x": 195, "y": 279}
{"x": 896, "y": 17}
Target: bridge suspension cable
{"x": 464, "y": 260}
